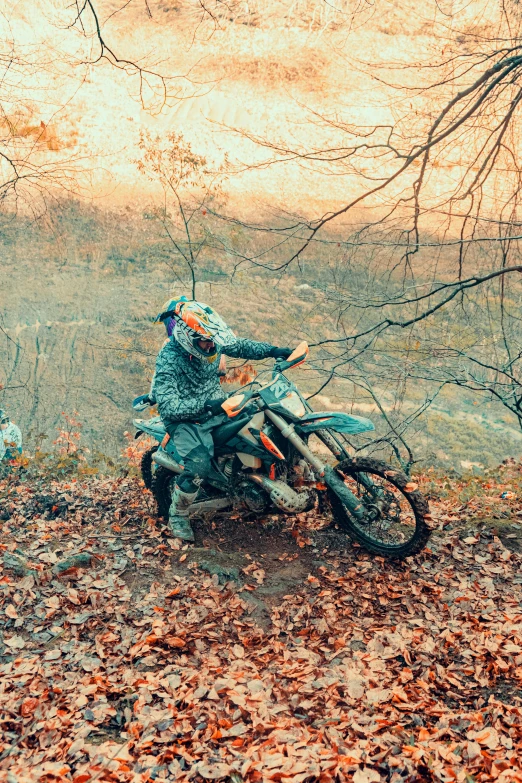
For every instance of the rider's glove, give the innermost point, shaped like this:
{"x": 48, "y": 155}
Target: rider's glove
{"x": 214, "y": 406}
{"x": 280, "y": 353}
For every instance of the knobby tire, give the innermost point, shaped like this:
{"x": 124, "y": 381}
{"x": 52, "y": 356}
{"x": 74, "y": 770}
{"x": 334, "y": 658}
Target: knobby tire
{"x": 146, "y": 467}
{"x": 418, "y": 503}
{"x": 161, "y": 489}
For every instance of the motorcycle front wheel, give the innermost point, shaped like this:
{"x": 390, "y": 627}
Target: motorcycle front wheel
{"x": 394, "y": 522}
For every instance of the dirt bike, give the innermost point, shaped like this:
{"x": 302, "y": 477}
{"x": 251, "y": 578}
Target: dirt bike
{"x": 263, "y": 460}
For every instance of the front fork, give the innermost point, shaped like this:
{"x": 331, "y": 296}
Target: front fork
{"x": 340, "y": 453}
{"x": 331, "y": 477}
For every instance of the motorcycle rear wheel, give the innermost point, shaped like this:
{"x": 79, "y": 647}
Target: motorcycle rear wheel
{"x": 399, "y": 530}
{"x": 162, "y": 486}
{"x": 146, "y": 467}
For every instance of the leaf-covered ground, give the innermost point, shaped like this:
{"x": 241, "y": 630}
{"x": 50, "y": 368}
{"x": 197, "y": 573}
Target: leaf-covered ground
{"x": 274, "y": 652}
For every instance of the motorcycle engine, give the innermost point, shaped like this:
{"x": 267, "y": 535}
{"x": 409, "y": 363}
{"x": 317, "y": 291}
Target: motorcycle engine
{"x": 253, "y": 497}
{"x": 226, "y": 465}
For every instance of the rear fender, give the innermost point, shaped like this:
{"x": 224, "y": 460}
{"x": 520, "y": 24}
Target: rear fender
{"x": 153, "y": 427}
{"x": 338, "y": 422}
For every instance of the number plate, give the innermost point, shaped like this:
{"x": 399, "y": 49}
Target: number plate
{"x": 276, "y": 391}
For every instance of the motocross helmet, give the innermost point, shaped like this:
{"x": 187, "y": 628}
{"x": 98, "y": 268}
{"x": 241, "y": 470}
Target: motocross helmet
{"x": 196, "y": 321}
{"x": 167, "y": 315}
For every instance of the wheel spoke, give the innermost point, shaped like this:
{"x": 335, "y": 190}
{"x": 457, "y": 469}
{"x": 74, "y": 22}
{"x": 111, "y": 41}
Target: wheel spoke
{"x": 389, "y": 517}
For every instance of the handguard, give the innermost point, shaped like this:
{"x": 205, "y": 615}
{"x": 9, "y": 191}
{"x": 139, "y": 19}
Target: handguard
{"x": 298, "y": 356}
{"x": 235, "y": 404}
{"x": 143, "y": 402}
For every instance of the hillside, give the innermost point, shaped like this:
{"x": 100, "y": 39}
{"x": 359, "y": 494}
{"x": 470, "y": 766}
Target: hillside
{"x": 79, "y": 296}
{"x": 272, "y": 69}
{"x": 270, "y": 651}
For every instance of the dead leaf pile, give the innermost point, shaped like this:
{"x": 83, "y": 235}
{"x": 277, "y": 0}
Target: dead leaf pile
{"x": 141, "y": 667}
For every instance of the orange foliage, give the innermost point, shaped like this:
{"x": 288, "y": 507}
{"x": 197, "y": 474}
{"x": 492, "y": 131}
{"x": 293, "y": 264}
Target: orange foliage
{"x": 69, "y": 435}
{"x": 241, "y": 375}
{"x": 135, "y": 449}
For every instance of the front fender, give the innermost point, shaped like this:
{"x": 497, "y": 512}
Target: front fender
{"x": 338, "y": 422}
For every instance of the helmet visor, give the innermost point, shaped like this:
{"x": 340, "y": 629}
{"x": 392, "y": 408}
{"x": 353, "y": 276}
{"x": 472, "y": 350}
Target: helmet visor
{"x": 204, "y": 345}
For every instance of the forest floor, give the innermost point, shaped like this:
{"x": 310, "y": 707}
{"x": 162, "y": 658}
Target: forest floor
{"x": 270, "y": 651}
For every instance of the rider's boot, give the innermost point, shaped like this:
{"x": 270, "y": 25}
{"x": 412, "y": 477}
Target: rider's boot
{"x": 179, "y": 524}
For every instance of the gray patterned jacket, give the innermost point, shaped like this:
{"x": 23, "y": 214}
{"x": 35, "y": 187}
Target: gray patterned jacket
{"x": 182, "y": 384}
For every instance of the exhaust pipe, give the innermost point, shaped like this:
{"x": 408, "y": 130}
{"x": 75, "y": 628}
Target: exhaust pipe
{"x": 283, "y": 496}
{"x": 166, "y": 461}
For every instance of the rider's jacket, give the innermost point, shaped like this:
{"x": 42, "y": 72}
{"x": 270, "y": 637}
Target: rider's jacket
{"x": 12, "y": 438}
{"x": 182, "y": 383}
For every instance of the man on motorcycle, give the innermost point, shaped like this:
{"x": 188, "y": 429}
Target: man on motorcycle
{"x": 186, "y": 386}
{"x": 11, "y": 435}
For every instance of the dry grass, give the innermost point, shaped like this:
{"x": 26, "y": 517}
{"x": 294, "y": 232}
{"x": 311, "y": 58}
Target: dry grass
{"x": 256, "y": 66}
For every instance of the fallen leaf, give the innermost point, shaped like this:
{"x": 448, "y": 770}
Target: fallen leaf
{"x": 411, "y": 487}
{"x": 52, "y": 655}
{"x": 28, "y": 706}
{"x": 76, "y": 746}
{"x": 366, "y": 775}
{"x": 90, "y": 664}
{"x": 473, "y": 750}
{"x": 15, "y": 642}
{"x": 488, "y": 737}
{"x": 356, "y": 686}
{"x": 378, "y": 695}
{"x": 213, "y": 771}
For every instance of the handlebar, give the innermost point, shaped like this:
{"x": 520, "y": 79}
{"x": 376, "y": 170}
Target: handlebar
{"x": 281, "y": 366}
